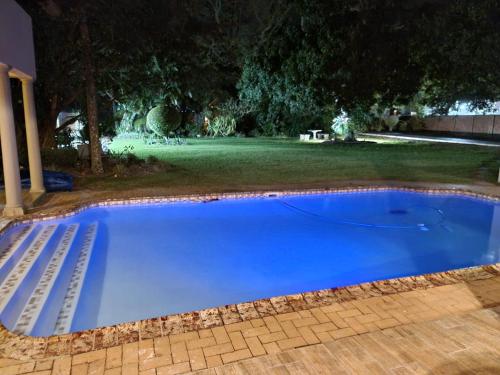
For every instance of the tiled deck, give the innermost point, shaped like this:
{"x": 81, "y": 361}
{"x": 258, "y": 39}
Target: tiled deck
{"x": 383, "y": 334}
{"x": 454, "y": 345}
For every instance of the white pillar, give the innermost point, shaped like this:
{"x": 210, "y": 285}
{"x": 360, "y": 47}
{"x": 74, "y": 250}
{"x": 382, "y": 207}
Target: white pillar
{"x": 34, "y": 158}
{"x": 12, "y": 180}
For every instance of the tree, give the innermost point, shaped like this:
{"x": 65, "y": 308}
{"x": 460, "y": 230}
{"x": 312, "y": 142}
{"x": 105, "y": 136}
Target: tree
{"x": 59, "y": 24}
{"x": 57, "y": 85}
{"x": 91, "y": 94}
{"x": 353, "y": 54}
{"x": 457, "y": 47}
{"x": 291, "y": 63}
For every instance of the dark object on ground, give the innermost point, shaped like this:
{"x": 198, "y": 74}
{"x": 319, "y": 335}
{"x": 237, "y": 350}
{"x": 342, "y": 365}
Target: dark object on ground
{"x": 53, "y": 181}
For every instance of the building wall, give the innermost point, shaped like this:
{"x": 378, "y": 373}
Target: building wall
{"x": 481, "y": 124}
{"x": 16, "y": 39}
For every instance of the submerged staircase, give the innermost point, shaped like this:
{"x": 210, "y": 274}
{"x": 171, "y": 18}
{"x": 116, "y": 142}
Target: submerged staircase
{"x": 42, "y": 272}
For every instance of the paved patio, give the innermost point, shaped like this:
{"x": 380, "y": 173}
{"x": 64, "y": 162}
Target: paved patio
{"x": 462, "y": 344}
{"x": 445, "y": 328}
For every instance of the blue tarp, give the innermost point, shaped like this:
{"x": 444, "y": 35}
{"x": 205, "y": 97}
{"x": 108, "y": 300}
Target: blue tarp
{"x": 53, "y": 181}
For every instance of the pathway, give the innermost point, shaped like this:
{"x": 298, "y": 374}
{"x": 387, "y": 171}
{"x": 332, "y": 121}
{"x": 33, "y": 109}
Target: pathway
{"x": 434, "y": 138}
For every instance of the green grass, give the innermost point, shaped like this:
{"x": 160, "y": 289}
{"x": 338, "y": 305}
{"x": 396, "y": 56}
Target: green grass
{"x": 252, "y": 163}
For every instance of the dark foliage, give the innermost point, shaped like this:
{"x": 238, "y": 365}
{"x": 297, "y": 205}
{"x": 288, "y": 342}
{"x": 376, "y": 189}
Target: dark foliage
{"x": 284, "y": 66}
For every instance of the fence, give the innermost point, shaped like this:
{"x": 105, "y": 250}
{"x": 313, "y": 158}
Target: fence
{"x": 481, "y": 124}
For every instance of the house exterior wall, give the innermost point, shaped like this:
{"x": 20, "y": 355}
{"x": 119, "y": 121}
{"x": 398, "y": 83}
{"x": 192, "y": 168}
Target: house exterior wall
{"x": 16, "y": 40}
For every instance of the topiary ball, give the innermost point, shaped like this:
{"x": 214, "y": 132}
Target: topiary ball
{"x": 162, "y": 120}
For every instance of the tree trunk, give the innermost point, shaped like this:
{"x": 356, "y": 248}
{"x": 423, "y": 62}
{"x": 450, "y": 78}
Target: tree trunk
{"x": 182, "y": 126}
{"x": 91, "y": 96}
{"x": 47, "y": 130}
{"x": 47, "y": 135}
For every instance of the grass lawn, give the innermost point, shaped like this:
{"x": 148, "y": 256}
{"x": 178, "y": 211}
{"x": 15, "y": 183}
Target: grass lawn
{"x": 251, "y": 163}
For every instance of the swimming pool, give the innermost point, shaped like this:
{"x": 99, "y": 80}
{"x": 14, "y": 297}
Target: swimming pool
{"x": 119, "y": 263}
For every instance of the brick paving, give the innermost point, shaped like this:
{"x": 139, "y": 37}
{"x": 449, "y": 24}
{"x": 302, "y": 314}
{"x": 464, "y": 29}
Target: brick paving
{"x": 326, "y": 325}
{"x": 454, "y": 345}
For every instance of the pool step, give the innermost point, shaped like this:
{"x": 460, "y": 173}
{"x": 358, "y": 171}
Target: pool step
{"x": 67, "y": 312}
{"x": 10, "y": 248}
{"x": 40, "y": 294}
{"x": 17, "y": 274}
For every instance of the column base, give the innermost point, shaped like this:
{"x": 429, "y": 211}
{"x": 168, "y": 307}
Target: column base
{"x": 35, "y": 197}
{"x": 37, "y": 191}
{"x": 13, "y": 211}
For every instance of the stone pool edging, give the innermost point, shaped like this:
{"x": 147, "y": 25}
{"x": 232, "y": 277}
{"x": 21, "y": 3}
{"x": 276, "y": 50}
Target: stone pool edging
{"x": 26, "y": 347}
{"x": 77, "y": 208}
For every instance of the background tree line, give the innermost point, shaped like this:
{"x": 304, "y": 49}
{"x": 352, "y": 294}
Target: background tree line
{"x": 257, "y": 67}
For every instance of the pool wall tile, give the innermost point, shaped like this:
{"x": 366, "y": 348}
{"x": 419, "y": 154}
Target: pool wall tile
{"x": 82, "y": 342}
{"x": 296, "y": 301}
{"x": 247, "y": 311}
{"x": 150, "y": 328}
{"x": 281, "y": 305}
{"x": 210, "y": 318}
{"x": 191, "y": 321}
{"x": 58, "y": 345}
{"x": 355, "y": 291}
{"x": 171, "y": 325}
{"x": 230, "y": 314}
{"x": 130, "y": 332}
{"x": 264, "y": 307}
{"x": 342, "y": 295}
{"x": 105, "y": 337}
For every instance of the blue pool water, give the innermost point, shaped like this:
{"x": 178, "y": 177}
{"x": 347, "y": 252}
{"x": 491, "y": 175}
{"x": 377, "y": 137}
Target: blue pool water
{"x": 153, "y": 260}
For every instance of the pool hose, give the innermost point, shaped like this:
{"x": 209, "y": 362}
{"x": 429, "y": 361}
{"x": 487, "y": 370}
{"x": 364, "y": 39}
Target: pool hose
{"x": 420, "y": 226}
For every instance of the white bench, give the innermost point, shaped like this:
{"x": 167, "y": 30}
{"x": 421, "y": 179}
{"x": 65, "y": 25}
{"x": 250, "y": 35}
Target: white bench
{"x": 305, "y": 137}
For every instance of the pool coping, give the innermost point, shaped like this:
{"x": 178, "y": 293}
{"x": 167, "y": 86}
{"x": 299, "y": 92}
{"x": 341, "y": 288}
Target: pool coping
{"x": 27, "y": 347}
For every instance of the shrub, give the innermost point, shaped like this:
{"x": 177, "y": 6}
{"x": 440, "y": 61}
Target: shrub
{"x": 132, "y": 159}
{"x": 60, "y": 158}
{"x": 296, "y": 128}
{"x": 246, "y": 125}
{"x": 163, "y": 120}
{"x": 152, "y": 159}
{"x": 139, "y": 124}
{"x": 65, "y": 138}
{"x": 125, "y": 157}
{"x": 230, "y": 117}
{"x": 391, "y": 121}
{"x": 340, "y": 124}
{"x": 415, "y": 123}
{"x": 359, "y": 120}
{"x": 120, "y": 170}
{"x": 222, "y": 126}
{"x": 193, "y": 129}
{"x": 268, "y": 129}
